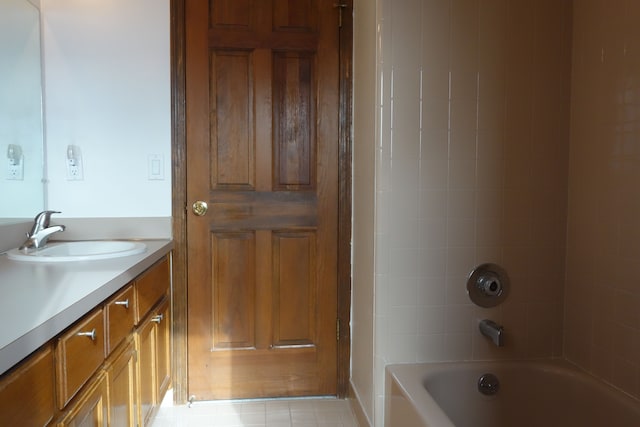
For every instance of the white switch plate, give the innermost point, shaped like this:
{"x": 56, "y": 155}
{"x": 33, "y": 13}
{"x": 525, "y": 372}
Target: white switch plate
{"x": 156, "y": 167}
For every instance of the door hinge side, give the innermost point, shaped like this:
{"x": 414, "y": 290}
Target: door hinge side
{"x": 337, "y": 329}
{"x": 341, "y": 5}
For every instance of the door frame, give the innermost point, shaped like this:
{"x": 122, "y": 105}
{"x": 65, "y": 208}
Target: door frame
{"x": 180, "y": 202}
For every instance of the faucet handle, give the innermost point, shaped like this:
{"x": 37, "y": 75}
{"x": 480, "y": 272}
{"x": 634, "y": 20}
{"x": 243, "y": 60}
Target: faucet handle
{"x": 44, "y": 217}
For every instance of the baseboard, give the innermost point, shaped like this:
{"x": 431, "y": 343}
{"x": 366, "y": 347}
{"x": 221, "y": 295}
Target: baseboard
{"x": 356, "y": 407}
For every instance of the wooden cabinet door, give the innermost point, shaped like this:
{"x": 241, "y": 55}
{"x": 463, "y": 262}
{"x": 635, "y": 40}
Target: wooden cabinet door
{"x": 154, "y": 359}
{"x": 162, "y": 319}
{"x": 27, "y": 393}
{"x": 123, "y": 397}
{"x": 91, "y": 407}
{"x": 262, "y": 152}
{"x": 146, "y": 340}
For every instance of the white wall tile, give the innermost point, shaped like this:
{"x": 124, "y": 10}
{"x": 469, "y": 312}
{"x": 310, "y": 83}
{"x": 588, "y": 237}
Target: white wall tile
{"x": 462, "y": 167}
{"x": 603, "y": 229}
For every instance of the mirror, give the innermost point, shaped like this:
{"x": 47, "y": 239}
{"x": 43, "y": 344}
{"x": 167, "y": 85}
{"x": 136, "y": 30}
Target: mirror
{"x": 21, "y": 111}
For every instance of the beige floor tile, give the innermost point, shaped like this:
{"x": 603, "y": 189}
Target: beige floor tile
{"x": 321, "y": 412}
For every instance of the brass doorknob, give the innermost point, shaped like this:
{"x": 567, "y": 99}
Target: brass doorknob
{"x": 200, "y": 208}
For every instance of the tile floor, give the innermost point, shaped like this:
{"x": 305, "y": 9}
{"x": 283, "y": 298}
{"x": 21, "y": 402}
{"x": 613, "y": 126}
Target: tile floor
{"x": 257, "y": 413}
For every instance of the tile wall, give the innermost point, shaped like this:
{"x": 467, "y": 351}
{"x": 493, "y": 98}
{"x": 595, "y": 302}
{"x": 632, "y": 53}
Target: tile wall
{"x": 602, "y": 310}
{"x": 471, "y": 154}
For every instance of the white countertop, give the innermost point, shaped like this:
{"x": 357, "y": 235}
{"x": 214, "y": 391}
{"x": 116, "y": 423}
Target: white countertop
{"x": 40, "y": 300}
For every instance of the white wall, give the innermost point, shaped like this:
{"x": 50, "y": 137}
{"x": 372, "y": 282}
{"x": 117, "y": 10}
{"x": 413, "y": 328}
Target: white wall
{"x": 364, "y": 162}
{"x": 107, "y": 91}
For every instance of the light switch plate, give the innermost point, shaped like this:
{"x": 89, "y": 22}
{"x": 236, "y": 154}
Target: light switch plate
{"x": 156, "y": 167}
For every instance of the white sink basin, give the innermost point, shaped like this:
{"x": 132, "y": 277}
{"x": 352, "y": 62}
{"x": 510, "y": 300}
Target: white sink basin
{"x": 88, "y": 250}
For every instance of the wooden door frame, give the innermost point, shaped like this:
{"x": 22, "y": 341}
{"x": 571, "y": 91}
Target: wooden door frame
{"x": 180, "y": 202}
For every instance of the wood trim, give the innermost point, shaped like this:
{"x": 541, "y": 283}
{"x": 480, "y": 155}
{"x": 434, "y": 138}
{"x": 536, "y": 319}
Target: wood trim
{"x": 345, "y": 200}
{"x": 179, "y": 201}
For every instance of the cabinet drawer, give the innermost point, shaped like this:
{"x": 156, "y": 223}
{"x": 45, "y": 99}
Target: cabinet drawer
{"x": 79, "y": 353}
{"x": 150, "y": 287}
{"x": 119, "y": 318}
{"x": 27, "y": 394}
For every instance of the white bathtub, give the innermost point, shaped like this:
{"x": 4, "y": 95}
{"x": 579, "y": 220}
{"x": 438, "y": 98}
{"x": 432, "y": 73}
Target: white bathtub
{"x": 532, "y": 394}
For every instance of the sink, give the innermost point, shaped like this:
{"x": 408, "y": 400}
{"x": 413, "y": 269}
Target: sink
{"x": 88, "y": 250}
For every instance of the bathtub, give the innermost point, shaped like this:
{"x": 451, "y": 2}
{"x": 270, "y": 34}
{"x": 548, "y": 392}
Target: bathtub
{"x": 529, "y": 394}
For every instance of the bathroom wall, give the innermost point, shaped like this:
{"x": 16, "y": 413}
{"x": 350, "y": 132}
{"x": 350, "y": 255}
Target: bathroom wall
{"x": 602, "y": 315}
{"x": 107, "y": 91}
{"x": 364, "y": 167}
{"x": 472, "y": 144}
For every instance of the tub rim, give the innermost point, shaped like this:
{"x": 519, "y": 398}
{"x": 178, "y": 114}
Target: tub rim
{"x": 411, "y": 383}
{"x": 416, "y": 394}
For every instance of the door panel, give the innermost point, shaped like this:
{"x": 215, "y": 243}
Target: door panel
{"x": 294, "y": 289}
{"x": 234, "y": 299}
{"x": 294, "y": 132}
{"x": 233, "y": 164}
{"x": 262, "y": 152}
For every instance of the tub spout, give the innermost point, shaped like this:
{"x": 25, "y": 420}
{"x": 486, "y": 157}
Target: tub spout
{"x": 492, "y": 330}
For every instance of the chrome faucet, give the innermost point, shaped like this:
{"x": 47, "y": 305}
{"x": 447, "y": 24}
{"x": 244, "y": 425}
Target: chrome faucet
{"x": 492, "y": 330}
{"x": 40, "y": 232}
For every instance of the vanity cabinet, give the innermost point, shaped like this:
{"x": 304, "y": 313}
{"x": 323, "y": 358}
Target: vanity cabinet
{"x": 111, "y": 367}
{"x": 91, "y": 407}
{"x": 154, "y": 345}
{"x": 79, "y": 353}
{"x": 119, "y": 318}
{"x": 122, "y": 371}
{"x": 162, "y": 320}
{"x": 150, "y": 288}
{"x": 27, "y": 392}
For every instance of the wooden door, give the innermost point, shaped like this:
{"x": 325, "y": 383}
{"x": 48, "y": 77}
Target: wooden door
{"x": 262, "y": 107}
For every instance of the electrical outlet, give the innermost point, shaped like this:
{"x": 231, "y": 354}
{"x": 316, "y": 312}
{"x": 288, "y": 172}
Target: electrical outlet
{"x": 15, "y": 171}
{"x": 15, "y": 165}
{"x": 74, "y": 169}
